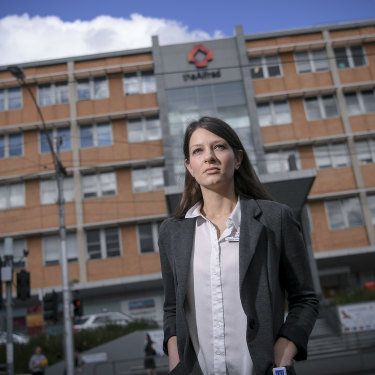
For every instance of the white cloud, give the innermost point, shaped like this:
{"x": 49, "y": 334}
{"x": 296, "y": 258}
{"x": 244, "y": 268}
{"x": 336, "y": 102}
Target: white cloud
{"x": 24, "y": 38}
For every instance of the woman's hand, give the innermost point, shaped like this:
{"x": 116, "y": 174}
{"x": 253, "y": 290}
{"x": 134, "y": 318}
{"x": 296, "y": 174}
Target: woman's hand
{"x": 173, "y": 353}
{"x": 285, "y": 351}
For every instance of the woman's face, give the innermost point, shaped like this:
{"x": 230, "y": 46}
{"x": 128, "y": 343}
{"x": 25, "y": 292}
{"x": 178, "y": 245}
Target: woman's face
{"x": 212, "y": 161}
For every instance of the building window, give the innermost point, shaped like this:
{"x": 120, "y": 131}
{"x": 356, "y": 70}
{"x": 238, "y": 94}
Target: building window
{"x": 11, "y": 145}
{"x": 48, "y": 191}
{"x": 56, "y": 135}
{"x": 148, "y": 234}
{"x": 10, "y": 99}
{"x": 139, "y": 83}
{"x": 282, "y": 161}
{"x": 371, "y": 203}
{"x": 360, "y": 102}
{"x": 311, "y": 61}
{"x": 103, "y": 243}
{"x": 350, "y": 57}
{"x": 344, "y": 213}
{"x": 143, "y": 129}
{"x": 12, "y": 196}
{"x": 147, "y": 179}
{"x": 53, "y": 93}
{"x": 274, "y": 113}
{"x": 99, "y": 185}
{"x": 365, "y": 149}
{"x": 19, "y": 260}
{"x": 92, "y": 88}
{"x": 319, "y": 107}
{"x": 96, "y": 135}
{"x": 265, "y": 66}
{"x": 332, "y": 155}
{"x": 52, "y": 248}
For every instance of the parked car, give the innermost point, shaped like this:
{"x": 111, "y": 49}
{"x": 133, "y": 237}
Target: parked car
{"x": 17, "y": 338}
{"x": 101, "y": 319}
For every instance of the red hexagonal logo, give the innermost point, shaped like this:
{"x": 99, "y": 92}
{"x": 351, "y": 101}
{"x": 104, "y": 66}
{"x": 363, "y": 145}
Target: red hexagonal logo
{"x": 200, "y": 55}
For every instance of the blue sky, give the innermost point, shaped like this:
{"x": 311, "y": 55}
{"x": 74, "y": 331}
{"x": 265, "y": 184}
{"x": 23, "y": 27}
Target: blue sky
{"x": 27, "y": 30}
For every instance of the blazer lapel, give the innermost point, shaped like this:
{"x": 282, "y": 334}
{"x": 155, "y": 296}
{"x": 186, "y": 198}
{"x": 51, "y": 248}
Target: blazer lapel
{"x": 251, "y": 229}
{"x": 184, "y": 241}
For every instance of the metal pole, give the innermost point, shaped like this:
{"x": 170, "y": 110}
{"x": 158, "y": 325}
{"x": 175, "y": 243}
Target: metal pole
{"x": 68, "y": 328}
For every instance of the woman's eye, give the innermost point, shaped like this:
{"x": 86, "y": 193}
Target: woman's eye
{"x": 219, "y": 147}
{"x": 196, "y": 151}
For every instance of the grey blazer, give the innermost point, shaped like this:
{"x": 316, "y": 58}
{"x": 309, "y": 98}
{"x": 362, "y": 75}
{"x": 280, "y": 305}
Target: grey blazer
{"x": 273, "y": 262}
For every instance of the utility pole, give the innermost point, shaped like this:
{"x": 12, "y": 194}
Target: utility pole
{"x": 18, "y": 73}
{"x": 7, "y": 276}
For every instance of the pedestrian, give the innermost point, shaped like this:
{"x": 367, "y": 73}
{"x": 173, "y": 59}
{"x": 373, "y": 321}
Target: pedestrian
{"x": 149, "y": 361}
{"x": 38, "y": 362}
{"x": 229, "y": 256}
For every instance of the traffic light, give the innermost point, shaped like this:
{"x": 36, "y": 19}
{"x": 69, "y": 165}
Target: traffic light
{"x": 23, "y": 285}
{"x": 77, "y": 307}
{"x": 50, "y": 307}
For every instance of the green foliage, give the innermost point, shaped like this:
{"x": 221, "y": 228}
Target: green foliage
{"x": 354, "y": 295}
{"x": 52, "y": 345}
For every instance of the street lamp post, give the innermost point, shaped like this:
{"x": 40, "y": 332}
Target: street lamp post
{"x": 18, "y": 73}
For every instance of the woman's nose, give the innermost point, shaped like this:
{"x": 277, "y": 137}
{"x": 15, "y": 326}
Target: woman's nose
{"x": 209, "y": 155}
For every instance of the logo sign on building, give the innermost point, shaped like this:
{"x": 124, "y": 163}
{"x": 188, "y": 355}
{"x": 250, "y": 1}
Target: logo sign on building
{"x": 200, "y": 56}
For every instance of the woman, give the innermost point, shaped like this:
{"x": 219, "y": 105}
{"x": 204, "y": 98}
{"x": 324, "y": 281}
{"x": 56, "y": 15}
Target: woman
{"x": 149, "y": 362}
{"x": 228, "y": 257}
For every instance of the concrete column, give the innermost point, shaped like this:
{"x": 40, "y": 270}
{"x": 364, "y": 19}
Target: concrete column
{"x": 350, "y": 139}
{"x": 74, "y": 129}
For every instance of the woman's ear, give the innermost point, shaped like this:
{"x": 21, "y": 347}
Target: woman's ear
{"x": 188, "y": 167}
{"x": 239, "y": 158}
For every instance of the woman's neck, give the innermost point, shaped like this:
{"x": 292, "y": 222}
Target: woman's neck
{"x": 217, "y": 205}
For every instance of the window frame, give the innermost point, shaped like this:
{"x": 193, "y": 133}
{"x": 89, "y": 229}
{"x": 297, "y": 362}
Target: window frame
{"x": 264, "y": 66}
{"x": 344, "y": 214}
{"x": 98, "y": 185}
{"x": 7, "y": 98}
{"x": 144, "y": 129}
{"x": 321, "y": 106}
{"x": 140, "y": 82}
{"x": 370, "y": 145}
{"x": 281, "y": 153}
{"x": 7, "y": 195}
{"x": 70, "y": 236}
{"x": 68, "y": 190}
{"x": 349, "y": 57}
{"x": 361, "y": 103}
{"x": 7, "y": 145}
{"x": 54, "y": 93}
{"x": 54, "y": 134}
{"x": 95, "y": 136}
{"x": 331, "y": 155}
{"x": 311, "y": 60}
{"x": 149, "y": 172}
{"x": 155, "y": 225}
{"x": 272, "y": 109}
{"x": 91, "y": 88}
{"x": 19, "y": 260}
{"x": 371, "y": 204}
{"x": 103, "y": 243}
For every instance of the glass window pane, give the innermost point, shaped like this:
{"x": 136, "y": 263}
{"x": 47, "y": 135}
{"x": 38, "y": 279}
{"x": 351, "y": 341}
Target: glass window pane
{"x": 90, "y": 186}
{"x": 157, "y": 178}
{"x": 322, "y": 157}
{"x": 148, "y": 82}
{"x": 101, "y": 88}
{"x": 135, "y": 131}
{"x": 371, "y": 202}
{"x": 17, "y": 195}
{"x": 48, "y": 191}
{"x": 341, "y": 58}
{"x": 335, "y": 215}
{"x": 93, "y": 244}
{"x": 15, "y": 145}
{"x": 302, "y": 62}
{"x": 44, "y": 146}
{"x": 312, "y": 108}
{"x": 153, "y": 128}
{"x": 14, "y": 98}
{"x": 363, "y": 152}
{"x": 145, "y": 238}
{"x": 140, "y": 180}
{"x": 256, "y": 68}
{"x": 45, "y": 95}
{"x": 340, "y": 154}
{"x": 273, "y": 66}
{"x": 282, "y": 112}
{"x": 2, "y": 146}
{"x": 71, "y": 247}
{"x": 131, "y": 84}
{"x": 64, "y": 135}
{"x": 83, "y": 89}
{"x": 4, "y": 197}
{"x": 320, "y": 60}
{"x": 104, "y": 134}
{"x": 62, "y": 93}
{"x": 68, "y": 189}
{"x": 112, "y": 242}
{"x": 2, "y": 100}
{"x": 51, "y": 247}
{"x": 368, "y": 100}
{"x": 86, "y": 135}
{"x": 352, "y": 104}
{"x": 353, "y": 212}
{"x": 264, "y": 114}
{"x": 330, "y": 107}
{"x": 358, "y": 56}
{"x": 273, "y": 162}
{"x": 108, "y": 183}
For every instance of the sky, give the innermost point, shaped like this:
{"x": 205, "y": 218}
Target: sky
{"x": 35, "y": 30}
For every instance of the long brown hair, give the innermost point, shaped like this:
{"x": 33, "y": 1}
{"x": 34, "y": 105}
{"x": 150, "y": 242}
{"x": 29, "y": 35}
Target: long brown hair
{"x": 246, "y": 182}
